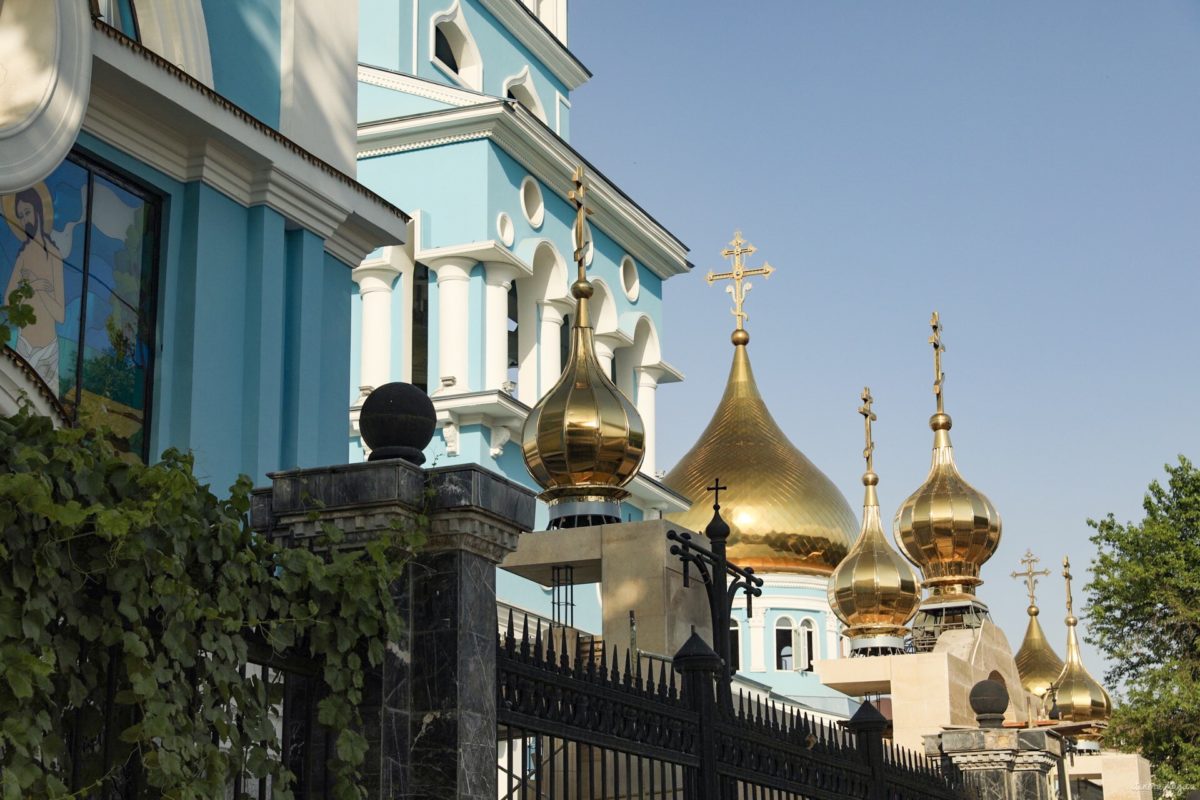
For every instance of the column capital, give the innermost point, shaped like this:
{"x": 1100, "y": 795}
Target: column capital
{"x": 500, "y": 273}
{"x": 378, "y": 276}
{"x": 452, "y": 268}
{"x": 647, "y": 378}
{"x": 551, "y": 312}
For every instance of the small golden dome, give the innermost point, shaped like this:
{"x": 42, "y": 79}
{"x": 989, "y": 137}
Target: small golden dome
{"x": 786, "y": 515}
{"x": 583, "y": 440}
{"x": 1037, "y": 664}
{"x": 1079, "y": 696}
{"x": 874, "y": 591}
{"x": 947, "y": 527}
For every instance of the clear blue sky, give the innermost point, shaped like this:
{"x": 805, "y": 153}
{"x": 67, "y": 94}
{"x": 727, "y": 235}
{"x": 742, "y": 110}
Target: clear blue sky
{"x": 1029, "y": 169}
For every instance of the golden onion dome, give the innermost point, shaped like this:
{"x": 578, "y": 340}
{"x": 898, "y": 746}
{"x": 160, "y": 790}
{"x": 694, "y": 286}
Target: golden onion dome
{"x": 584, "y": 440}
{"x": 1037, "y": 664}
{"x": 786, "y": 515}
{"x": 1079, "y": 696}
{"x": 874, "y": 591}
{"x": 947, "y": 527}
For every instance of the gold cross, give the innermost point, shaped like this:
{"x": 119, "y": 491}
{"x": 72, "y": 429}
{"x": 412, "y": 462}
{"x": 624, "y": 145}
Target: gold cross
{"x": 938, "y": 349}
{"x": 578, "y": 196}
{"x": 737, "y": 251}
{"x": 1067, "y": 575}
{"x": 1030, "y": 574}
{"x": 868, "y": 418}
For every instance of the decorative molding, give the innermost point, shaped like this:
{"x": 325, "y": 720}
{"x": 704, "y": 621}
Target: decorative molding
{"x": 501, "y": 435}
{"x": 523, "y": 80}
{"x": 419, "y": 87}
{"x": 48, "y": 114}
{"x": 547, "y": 157}
{"x": 470, "y": 531}
{"x": 199, "y": 135}
{"x": 450, "y": 435}
{"x": 470, "y": 60}
{"x": 545, "y": 46}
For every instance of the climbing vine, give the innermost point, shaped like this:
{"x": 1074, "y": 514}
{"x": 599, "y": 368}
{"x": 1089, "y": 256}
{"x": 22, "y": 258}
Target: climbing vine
{"x": 130, "y": 596}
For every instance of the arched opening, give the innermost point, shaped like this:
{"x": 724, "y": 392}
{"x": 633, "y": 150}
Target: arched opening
{"x": 520, "y": 88}
{"x": 454, "y": 50}
{"x": 785, "y": 644}
{"x": 808, "y": 643}
{"x": 534, "y": 295}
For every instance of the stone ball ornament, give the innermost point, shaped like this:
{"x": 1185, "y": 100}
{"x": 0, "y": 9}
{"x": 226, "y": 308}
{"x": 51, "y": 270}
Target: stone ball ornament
{"x": 989, "y": 701}
{"x": 397, "y": 421}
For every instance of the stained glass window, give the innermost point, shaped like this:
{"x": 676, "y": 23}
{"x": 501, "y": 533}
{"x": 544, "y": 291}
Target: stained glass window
{"x": 87, "y": 241}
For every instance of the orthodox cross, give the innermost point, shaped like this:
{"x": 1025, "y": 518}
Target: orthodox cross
{"x": 1067, "y": 575}
{"x": 1030, "y": 574}
{"x": 578, "y": 196}
{"x": 938, "y": 348}
{"x": 868, "y": 418}
{"x": 716, "y": 489}
{"x": 737, "y": 250}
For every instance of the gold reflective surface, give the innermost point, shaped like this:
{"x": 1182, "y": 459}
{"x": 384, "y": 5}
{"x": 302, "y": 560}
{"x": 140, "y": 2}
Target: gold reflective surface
{"x": 785, "y": 514}
{"x": 583, "y": 440}
{"x": 1037, "y": 663}
{"x": 1079, "y": 696}
{"x": 873, "y": 591}
{"x": 946, "y": 527}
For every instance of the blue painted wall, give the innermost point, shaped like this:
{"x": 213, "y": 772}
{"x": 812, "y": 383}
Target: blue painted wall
{"x": 244, "y": 38}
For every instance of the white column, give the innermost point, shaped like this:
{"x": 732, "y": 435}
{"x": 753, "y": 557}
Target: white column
{"x": 375, "y": 334}
{"x": 527, "y": 337}
{"x": 453, "y": 282}
{"x": 758, "y": 650}
{"x": 646, "y": 395}
{"x": 549, "y": 358}
{"x": 498, "y": 280}
{"x": 604, "y": 354}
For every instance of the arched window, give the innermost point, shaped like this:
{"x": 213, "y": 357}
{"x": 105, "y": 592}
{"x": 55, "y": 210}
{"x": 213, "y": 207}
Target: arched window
{"x": 454, "y": 48}
{"x": 785, "y": 644}
{"x": 735, "y": 646}
{"x": 521, "y": 89}
{"x": 808, "y": 634}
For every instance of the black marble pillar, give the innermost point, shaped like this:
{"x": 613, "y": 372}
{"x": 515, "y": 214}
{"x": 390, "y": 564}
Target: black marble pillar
{"x": 429, "y": 710}
{"x": 1004, "y": 763}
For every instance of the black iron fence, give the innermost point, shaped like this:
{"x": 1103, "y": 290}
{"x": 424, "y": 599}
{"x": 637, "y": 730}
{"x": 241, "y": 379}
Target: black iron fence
{"x": 575, "y": 728}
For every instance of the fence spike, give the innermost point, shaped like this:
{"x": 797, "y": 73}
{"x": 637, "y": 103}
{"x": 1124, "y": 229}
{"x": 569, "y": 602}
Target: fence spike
{"x": 627, "y": 678}
{"x": 616, "y": 669}
{"x": 525, "y": 638}
{"x": 509, "y": 639}
{"x": 662, "y": 679}
{"x": 539, "y": 654}
{"x": 551, "y": 658}
{"x": 603, "y": 658}
{"x": 563, "y": 652}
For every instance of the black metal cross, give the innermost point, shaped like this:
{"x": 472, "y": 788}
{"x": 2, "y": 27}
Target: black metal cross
{"x": 716, "y": 572}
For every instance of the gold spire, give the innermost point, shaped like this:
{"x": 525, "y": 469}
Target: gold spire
{"x": 584, "y": 440}
{"x": 947, "y": 527}
{"x": 787, "y": 516}
{"x": 1037, "y": 663}
{"x": 874, "y": 591}
{"x": 736, "y": 251}
{"x": 1079, "y": 696}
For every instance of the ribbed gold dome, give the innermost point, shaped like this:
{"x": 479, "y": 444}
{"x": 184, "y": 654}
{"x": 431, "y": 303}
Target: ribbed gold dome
{"x": 1079, "y": 696}
{"x": 874, "y": 591}
{"x": 584, "y": 440}
{"x": 947, "y": 527}
{"x": 786, "y": 515}
{"x": 1037, "y": 663}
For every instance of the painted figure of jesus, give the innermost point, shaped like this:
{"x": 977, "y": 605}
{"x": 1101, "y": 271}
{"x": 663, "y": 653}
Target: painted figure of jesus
{"x": 40, "y": 264}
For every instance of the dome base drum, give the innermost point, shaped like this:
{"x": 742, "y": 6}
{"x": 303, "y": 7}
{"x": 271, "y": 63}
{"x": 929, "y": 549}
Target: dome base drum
{"x": 583, "y": 512}
{"x": 862, "y": 646}
{"x": 934, "y": 618}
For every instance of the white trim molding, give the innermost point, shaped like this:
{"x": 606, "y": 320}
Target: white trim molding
{"x": 521, "y": 85}
{"x": 462, "y": 41}
{"x": 540, "y": 40}
{"x": 419, "y": 87}
{"x": 547, "y": 157}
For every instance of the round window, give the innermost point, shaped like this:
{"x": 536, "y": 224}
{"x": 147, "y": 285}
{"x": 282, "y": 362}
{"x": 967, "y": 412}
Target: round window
{"x": 629, "y": 278}
{"x": 505, "y": 229}
{"x": 531, "y": 202}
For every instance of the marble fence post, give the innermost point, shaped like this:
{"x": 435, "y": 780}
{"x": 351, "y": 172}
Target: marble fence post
{"x": 430, "y": 709}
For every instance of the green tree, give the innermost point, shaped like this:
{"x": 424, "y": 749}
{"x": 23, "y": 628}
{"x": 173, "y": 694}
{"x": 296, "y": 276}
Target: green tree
{"x": 1145, "y": 617}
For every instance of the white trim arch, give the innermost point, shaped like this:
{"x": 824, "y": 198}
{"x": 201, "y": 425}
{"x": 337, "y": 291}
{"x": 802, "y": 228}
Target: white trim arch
{"x": 176, "y": 30}
{"x": 453, "y": 25}
{"x": 808, "y": 644}
{"x": 783, "y": 648}
{"x": 541, "y": 300}
{"x": 524, "y": 92}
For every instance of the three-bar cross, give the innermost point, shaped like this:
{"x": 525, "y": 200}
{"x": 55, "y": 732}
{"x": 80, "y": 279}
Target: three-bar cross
{"x": 737, "y": 250}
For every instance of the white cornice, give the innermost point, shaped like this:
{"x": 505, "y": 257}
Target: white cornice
{"x": 486, "y": 252}
{"x": 544, "y": 45}
{"x": 546, "y": 156}
{"x": 194, "y": 134}
{"x": 430, "y": 90}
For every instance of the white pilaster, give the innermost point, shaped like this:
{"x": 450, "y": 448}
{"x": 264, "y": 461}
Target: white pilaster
{"x": 498, "y": 280}
{"x": 527, "y": 350}
{"x": 758, "y": 650}
{"x": 647, "y": 392}
{"x": 453, "y": 282}
{"x": 549, "y": 357}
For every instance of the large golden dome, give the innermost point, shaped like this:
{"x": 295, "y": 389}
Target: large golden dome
{"x": 1079, "y": 696}
{"x": 786, "y": 515}
{"x": 874, "y": 591}
{"x": 947, "y": 527}
{"x": 584, "y": 440}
